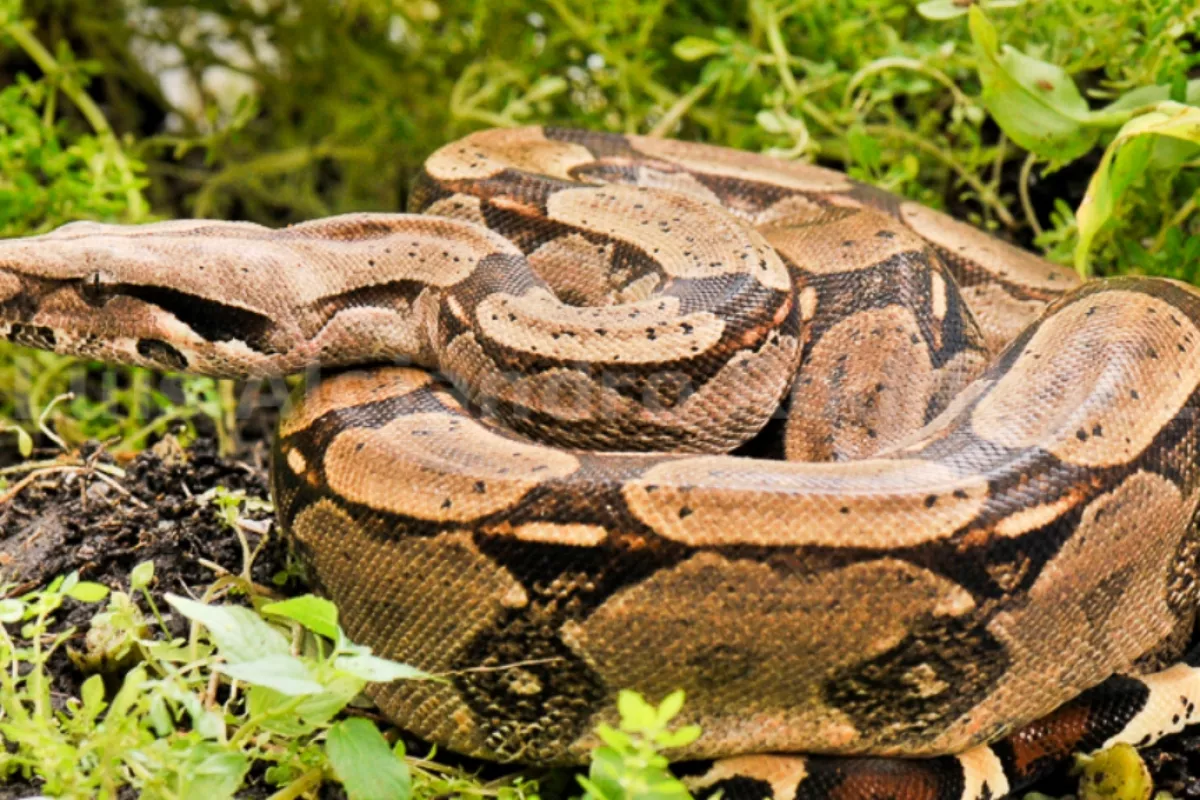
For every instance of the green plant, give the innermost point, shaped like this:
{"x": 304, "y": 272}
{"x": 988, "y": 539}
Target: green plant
{"x": 630, "y": 764}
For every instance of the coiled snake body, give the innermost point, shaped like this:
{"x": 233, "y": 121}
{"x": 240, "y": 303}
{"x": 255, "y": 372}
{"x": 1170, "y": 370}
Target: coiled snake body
{"x": 980, "y": 549}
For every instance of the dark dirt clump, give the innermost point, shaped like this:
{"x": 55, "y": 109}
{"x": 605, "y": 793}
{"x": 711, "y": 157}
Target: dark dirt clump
{"x": 72, "y": 521}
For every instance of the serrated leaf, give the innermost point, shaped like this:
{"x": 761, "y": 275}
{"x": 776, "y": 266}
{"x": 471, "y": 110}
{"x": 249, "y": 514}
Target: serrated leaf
{"x": 380, "y": 670}
{"x": 239, "y": 633}
{"x": 285, "y": 674}
{"x": 365, "y": 764}
{"x": 315, "y": 613}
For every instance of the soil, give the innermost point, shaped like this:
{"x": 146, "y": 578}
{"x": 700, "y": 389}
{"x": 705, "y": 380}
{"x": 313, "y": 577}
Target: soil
{"x": 75, "y": 522}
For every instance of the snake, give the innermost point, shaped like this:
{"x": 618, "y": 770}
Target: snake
{"x": 905, "y": 510}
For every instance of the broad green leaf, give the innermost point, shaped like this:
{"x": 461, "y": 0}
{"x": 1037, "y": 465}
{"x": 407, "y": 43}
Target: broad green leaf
{"x": 365, "y": 764}
{"x": 1125, "y": 159}
{"x": 88, "y": 592}
{"x": 240, "y": 634}
{"x": 285, "y": 674}
{"x": 1034, "y": 102}
{"x": 380, "y": 670}
{"x": 314, "y": 613}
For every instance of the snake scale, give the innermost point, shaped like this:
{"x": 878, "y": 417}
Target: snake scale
{"x": 619, "y": 412}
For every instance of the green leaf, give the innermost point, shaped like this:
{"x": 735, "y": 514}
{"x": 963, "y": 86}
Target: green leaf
{"x": 1152, "y": 95}
{"x": 694, "y": 48}
{"x": 24, "y": 442}
{"x": 314, "y": 613}
{"x": 680, "y": 737}
{"x": 381, "y": 670}
{"x": 636, "y": 714}
{"x": 1034, "y": 102}
{"x": 1117, "y": 773}
{"x": 669, "y": 707}
{"x": 864, "y": 149}
{"x": 365, "y": 764}
{"x": 11, "y": 610}
{"x": 92, "y": 695}
{"x": 285, "y": 674}
{"x": 312, "y": 711}
{"x": 240, "y": 634}
{"x": 141, "y": 576}
{"x": 209, "y": 772}
{"x": 88, "y": 592}
{"x": 1123, "y": 162}
{"x": 939, "y": 10}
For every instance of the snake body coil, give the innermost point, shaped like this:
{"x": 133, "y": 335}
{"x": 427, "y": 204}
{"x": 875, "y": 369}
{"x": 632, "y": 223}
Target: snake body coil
{"x": 859, "y": 478}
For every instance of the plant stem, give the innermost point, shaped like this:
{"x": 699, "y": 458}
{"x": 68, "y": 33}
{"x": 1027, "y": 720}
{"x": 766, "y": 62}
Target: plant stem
{"x": 20, "y": 33}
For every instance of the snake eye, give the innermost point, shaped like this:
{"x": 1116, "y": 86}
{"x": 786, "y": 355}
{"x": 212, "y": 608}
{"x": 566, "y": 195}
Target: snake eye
{"x": 96, "y": 289}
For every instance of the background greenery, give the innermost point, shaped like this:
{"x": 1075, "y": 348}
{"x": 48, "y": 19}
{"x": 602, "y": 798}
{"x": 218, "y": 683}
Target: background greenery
{"x": 282, "y": 110}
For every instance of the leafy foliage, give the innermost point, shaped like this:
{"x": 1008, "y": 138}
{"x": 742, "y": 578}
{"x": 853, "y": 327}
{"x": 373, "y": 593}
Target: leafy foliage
{"x": 630, "y": 764}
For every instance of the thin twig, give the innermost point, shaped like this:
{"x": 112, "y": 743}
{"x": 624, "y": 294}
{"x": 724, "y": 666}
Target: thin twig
{"x": 1023, "y": 190}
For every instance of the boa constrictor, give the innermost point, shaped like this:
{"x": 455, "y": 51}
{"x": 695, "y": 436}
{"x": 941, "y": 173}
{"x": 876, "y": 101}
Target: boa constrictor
{"x": 864, "y": 481}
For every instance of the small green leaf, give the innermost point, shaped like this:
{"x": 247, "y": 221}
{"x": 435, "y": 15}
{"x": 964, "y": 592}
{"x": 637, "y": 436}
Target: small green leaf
{"x": 315, "y": 613}
{"x": 669, "y": 707}
{"x": 24, "y": 442}
{"x": 142, "y": 575}
{"x": 695, "y": 48}
{"x": 365, "y": 764}
{"x": 680, "y": 737}
{"x": 88, "y": 592}
{"x": 285, "y": 674}
{"x": 11, "y": 610}
{"x": 636, "y": 714}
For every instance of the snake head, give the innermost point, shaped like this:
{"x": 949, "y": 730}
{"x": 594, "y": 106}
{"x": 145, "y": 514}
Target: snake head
{"x": 170, "y": 295}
